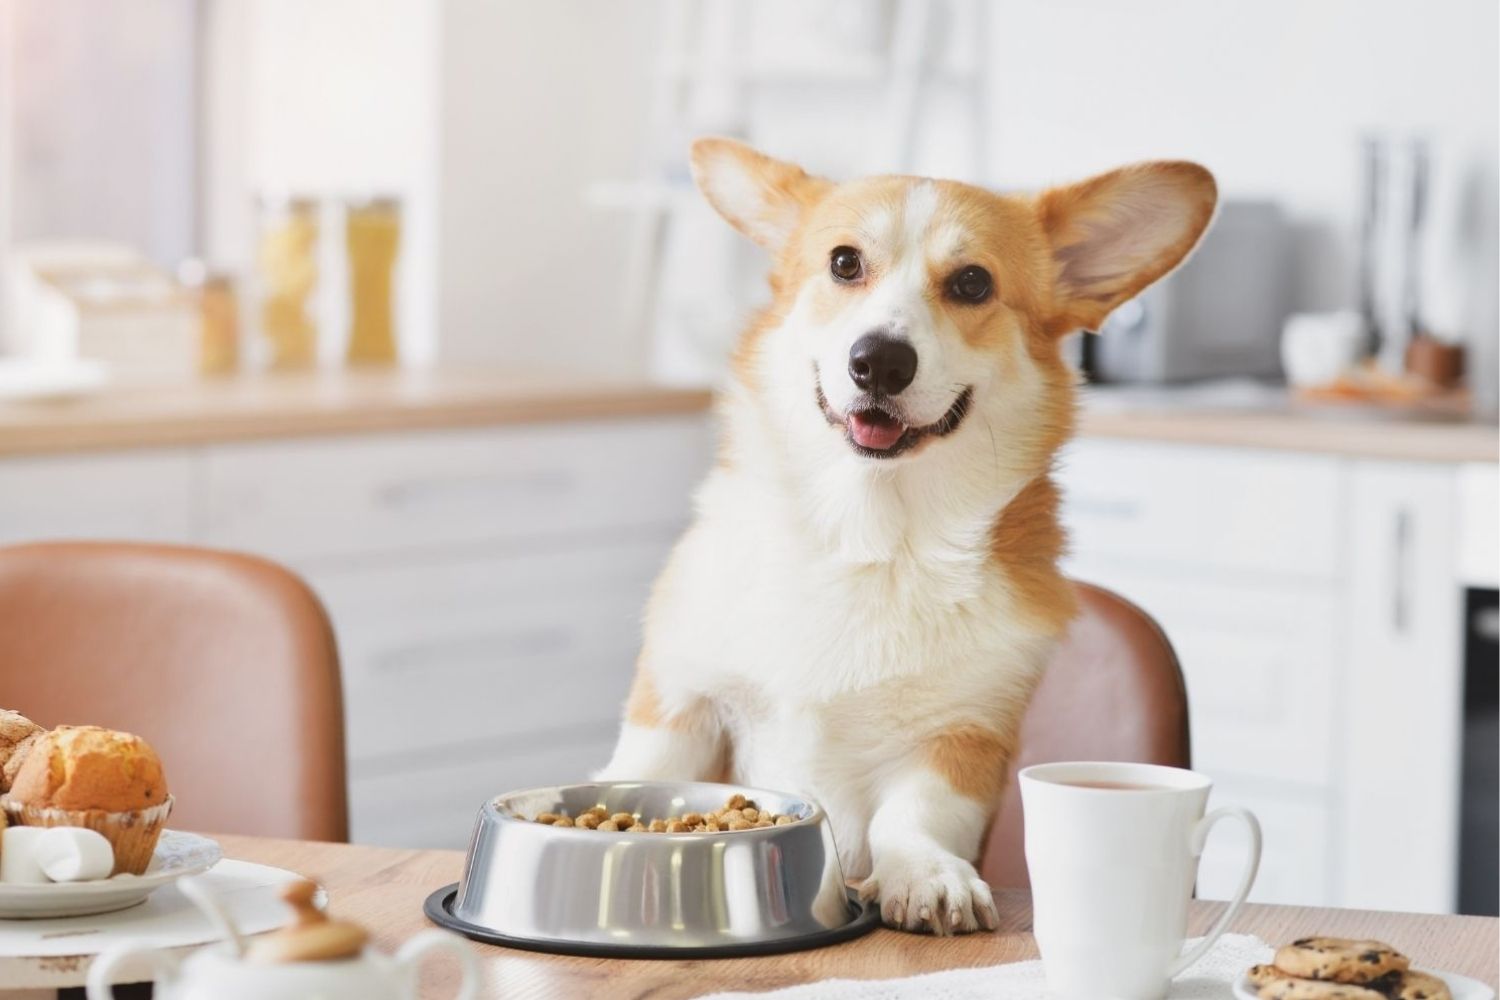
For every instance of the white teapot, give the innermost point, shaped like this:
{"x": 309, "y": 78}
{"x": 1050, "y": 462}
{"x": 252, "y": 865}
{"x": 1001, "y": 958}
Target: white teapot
{"x": 313, "y": 958}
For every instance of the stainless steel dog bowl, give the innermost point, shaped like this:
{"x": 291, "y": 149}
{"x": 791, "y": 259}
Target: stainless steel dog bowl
{"x": 646, "y": 895}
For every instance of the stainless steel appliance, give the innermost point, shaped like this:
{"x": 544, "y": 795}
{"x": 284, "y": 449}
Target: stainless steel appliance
{"x": 1479, "y": 826}
{"x": 1219, "y": 314}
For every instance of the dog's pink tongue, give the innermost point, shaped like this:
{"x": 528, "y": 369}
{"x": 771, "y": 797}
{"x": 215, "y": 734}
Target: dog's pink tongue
{"x": 875, "y": 431}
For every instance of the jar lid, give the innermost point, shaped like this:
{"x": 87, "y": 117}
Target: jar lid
{"x": 311, "y": 936}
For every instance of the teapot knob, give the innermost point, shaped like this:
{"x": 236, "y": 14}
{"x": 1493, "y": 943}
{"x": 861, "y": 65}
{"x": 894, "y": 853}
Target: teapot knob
{"x": 311, "y": 936}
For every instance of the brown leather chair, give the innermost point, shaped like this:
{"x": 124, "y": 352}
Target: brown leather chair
{"x": 225, "y": 663}
{"x": 1113, "y": 691}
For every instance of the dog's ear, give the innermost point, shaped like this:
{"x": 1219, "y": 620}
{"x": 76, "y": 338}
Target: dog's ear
{"x": 761, "y": 197}
{"x": 1114, "y": 234}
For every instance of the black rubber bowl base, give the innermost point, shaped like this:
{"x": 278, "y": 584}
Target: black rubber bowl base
{"x": 439, "y": 909}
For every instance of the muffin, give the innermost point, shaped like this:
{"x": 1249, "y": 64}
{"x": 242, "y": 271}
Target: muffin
{"x": 96, "y": 778}
{"x": 18, "y": 735}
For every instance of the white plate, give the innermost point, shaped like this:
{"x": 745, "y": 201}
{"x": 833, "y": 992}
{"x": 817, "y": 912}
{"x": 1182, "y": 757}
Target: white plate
{"x": 1462, "y": 987}
{"x": 177, "y": 854}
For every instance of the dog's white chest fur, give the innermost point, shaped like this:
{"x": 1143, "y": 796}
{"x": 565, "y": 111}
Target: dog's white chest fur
{"x": 826, "y": 672}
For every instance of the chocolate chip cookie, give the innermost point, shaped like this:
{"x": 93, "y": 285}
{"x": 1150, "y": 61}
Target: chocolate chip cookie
{"x": 1411, "y": 985}
{"x": 1340, "y": 960}
{"x": 1272, "y": 983}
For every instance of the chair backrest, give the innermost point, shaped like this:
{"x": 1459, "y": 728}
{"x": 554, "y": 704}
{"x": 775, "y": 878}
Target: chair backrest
{"x": 225, "y": 663}
{"x": 1113, "y": 691}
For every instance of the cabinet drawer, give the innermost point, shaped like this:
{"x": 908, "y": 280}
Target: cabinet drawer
{"x": 492, "y": 654}
{"x": 136, "y": 496}
{"x": 303, "y": 500}
{"x": 435, "y": 806}
{"x": 1222, "y": 509}
{"x": 1294, "y": 864}
{"x": 1261, "y": 664}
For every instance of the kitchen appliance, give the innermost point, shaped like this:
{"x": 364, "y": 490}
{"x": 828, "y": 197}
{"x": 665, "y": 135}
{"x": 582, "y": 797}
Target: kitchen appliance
{"x": 1479, "y": 824}
{"x": 1219, "y": 314}
{"x": 650, "y": 895}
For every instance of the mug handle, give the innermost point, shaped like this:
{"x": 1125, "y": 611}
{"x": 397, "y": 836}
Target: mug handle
{"x": 410, "y": 955}
{"x": 1196, "y": 840}
{"x": 101, "y": 978}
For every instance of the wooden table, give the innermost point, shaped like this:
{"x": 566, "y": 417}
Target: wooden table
{"x": 383, "y": 889}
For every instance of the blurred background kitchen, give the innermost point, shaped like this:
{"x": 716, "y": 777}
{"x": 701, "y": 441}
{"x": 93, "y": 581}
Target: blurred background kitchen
{"x": 415, "y": 297}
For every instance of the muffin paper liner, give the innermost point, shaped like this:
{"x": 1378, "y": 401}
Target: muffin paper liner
{"x": 133, "y": 834}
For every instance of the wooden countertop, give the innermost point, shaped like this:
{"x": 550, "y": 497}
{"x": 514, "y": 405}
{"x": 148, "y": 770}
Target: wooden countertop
{"x": 384, "y": 888}
{"x": 1274, "y": 419}
{"x": 259, "y": 407}
{"x": 252, "y": 408}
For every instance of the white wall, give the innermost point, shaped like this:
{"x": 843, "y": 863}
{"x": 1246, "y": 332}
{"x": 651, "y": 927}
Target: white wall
{"x": 1272, "y": 95}
{"x": 538, "y": 101}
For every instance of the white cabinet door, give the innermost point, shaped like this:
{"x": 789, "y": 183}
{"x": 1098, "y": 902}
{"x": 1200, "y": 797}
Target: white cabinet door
{"x": 1296, "y": 827}
{"x": 1261, "y": 664}
{"x": 489, "y": 656}
{"x": 1403, "y": 703}
{"x": 1212, "y": 510}
{"x": 436, "y": 805}
{"x": 127, "y": 496}
{"x": 520, "y": 487}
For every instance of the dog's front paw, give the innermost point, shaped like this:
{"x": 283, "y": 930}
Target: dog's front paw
{"x": 936, "y": 893}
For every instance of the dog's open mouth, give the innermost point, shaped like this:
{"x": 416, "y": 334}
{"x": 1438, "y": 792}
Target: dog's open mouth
{"x": 875, "y": 428}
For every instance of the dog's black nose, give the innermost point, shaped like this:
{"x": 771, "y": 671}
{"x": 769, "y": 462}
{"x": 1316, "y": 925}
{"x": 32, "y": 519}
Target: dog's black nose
{"x": 882, "y": 364}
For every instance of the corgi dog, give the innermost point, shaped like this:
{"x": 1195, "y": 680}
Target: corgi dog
{"x": 869, "y": 591}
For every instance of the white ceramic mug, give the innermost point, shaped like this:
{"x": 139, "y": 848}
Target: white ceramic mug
{"x": 1112, "y": 871}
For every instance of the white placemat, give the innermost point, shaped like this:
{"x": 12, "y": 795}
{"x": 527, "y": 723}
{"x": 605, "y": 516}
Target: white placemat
{"x": 1211, "y": 978}
{"x": 54, "y": 953}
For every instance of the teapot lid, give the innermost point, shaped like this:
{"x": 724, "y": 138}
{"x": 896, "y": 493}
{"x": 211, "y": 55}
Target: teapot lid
{"x": 311, "y": 936}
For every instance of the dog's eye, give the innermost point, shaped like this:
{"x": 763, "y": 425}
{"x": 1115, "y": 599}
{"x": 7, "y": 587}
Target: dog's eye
{"x": 972, "y": 284}
{"x": 844, "y": 264}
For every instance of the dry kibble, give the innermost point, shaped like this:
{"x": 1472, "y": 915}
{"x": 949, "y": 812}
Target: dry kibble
{"x": 739, "y": 813}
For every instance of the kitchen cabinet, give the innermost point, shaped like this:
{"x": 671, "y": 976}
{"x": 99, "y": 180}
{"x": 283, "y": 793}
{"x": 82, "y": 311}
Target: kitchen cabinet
{"x": 1315, "y": 602}
{"x": 144, "y": 497}
{"x": 485, "y": 584}
{"x": 1399, "y": 800}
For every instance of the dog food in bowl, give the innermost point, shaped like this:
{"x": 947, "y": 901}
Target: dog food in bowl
{"x": 739, "y": 813}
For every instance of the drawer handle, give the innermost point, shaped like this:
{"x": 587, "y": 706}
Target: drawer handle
{"x": 427, "y": 493}
{"x": 488, "y": 649}
{"x": 1401, "y": 570}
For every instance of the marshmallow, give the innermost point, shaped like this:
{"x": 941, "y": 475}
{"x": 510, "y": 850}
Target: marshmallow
{"x": 73, "y": 854}
{"x": 18, "y": 854}
{"x": 39, "y": 854}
